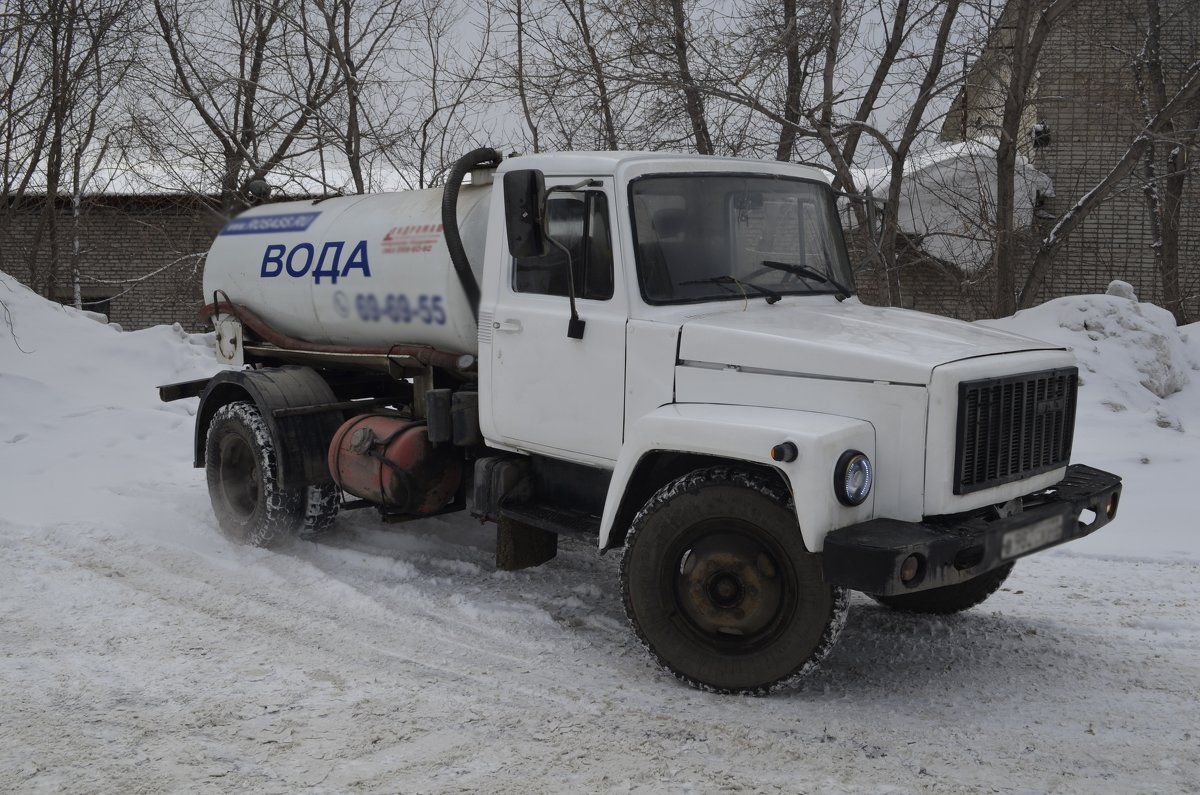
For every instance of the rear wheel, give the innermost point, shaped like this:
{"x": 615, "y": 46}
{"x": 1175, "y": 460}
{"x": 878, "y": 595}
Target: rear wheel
{"x": 240, "y": 464}
{"x": 720, "y": 588}
{"x": 321, "y": 505}
{"x": 950, "y": 598}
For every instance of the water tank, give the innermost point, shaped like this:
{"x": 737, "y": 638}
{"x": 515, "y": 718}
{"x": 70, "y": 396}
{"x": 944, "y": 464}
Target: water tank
{"x": 354, "y": 270}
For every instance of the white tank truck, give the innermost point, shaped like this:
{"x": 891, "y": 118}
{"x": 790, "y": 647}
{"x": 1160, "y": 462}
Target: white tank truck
{"x": 662, "y": 351}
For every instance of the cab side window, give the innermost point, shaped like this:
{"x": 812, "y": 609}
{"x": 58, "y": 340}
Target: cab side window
{"x": 579, "y": 221}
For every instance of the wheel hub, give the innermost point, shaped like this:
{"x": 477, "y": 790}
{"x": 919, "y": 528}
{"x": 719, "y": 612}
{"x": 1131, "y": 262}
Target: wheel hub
{"x": 239, "y": 476}
{"x": 728, "y": 585}
{"x": 725, "y": 589}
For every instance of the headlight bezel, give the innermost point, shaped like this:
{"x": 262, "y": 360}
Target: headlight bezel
{"x": 841, "y": 478}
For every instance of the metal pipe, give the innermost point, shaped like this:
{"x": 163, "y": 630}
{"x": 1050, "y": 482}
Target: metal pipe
{"x": 424, "y": 354}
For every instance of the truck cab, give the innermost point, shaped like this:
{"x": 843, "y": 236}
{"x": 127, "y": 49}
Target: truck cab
{"x": 670, "y": 356}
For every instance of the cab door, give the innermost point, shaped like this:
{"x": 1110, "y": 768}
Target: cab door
{"x": 550, "y": 392}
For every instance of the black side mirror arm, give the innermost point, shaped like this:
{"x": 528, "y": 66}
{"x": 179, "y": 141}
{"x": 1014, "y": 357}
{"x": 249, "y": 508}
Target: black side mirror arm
{"x": 576, "y": 324}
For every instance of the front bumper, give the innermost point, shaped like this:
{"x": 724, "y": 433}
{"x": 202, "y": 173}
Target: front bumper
{"x": 869, "y": 556}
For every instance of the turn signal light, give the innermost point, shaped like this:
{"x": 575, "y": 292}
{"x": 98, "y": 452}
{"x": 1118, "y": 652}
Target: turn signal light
{"x": 1110, "y": 509}
{"x": 785, "y": 452}
{"x": 911, "y": 570}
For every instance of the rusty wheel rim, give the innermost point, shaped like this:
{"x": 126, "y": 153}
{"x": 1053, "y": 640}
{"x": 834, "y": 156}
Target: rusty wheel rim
{"x": 732, "y": 586}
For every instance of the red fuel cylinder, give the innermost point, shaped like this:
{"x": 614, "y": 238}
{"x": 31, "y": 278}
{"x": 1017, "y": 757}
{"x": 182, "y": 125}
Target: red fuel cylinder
{"x": 390, "y": 461}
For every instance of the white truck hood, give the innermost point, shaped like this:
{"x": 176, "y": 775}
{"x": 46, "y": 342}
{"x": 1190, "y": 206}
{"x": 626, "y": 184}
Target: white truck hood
{"x": 823, "y": 338}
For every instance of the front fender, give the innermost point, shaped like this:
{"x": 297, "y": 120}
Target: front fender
{"x": 747, "y": 433}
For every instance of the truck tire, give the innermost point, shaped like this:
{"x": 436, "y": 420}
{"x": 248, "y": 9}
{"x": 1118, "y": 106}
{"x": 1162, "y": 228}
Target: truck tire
{"x": 321, "y": 504}
{"x": 240, "y": 465}
{"x": 720, "y": 588}
{"x": 950, "y": 598}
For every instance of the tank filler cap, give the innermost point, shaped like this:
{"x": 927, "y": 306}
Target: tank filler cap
{"x": 361, "y": 441}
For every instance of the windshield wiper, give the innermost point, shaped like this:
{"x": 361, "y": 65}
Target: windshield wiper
{"x": 807, "y": 272}
{"x": 726, "y": 280}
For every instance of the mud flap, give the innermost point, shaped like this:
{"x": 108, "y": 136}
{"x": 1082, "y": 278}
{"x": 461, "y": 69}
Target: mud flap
{"x": 520, "y": 546}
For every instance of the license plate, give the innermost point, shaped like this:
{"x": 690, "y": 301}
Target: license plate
{"x": 1038, "y": 534}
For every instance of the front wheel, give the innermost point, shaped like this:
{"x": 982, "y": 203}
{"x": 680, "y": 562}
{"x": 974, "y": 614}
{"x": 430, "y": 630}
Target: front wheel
{"x": 719, "y": 586}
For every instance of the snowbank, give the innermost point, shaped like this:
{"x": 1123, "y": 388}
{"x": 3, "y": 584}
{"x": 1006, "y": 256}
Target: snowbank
{"x": 949, "y": 198}
{"x": 82, "y": 424}
{"x": 1139, "y": 413}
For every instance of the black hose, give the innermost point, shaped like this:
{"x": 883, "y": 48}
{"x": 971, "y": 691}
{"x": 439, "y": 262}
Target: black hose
{"x": 483, "y": 156}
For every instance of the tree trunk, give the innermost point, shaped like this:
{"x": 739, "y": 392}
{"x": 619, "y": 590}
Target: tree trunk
{"x": 1166, "y": 253}
{"x": 606, "y": 116}
{"x": 76, "y": 249}
{"x": 1163, "y": 196}
{"x": 795, "y": 83}
{"x": 693, "y": 101}
{"x": 1024, "y": 56}
{"x": 890, "y": 229}
{"x": 1004, "y": 251}
{"x": 522, "y": 94}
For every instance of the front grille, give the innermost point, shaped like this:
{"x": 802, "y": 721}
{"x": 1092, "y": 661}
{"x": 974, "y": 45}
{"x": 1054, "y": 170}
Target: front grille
{"x": 1013, "y": 427}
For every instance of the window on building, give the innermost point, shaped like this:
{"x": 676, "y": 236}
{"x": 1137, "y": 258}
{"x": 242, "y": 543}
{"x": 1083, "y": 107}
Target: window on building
{"x": 93, "y": 300}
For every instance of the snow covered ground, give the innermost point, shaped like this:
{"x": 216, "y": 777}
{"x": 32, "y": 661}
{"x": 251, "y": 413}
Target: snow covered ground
{"x": 143, "y": 652}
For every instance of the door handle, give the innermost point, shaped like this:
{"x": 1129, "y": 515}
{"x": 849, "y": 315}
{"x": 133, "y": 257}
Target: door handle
{"x": 511, "y": 326}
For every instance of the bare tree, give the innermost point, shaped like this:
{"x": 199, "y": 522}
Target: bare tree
{"x": 800, "y": 40}
{"x": 27, "y": 117}
{"x": 359, "y": 35}
{"x": 661, "y": 39}
{"x": 253, "y": 79}
{"x": 93, "y": 133}
{"x": 76, "y": 47}
{"x": 578, "y": 12}
{"x": 842, "y": 134}
{"x": 560, "y": 64}
{"x": 438, "y": 101}
{"x": 519, "y": 16}
{"x": 1026, "y": 24}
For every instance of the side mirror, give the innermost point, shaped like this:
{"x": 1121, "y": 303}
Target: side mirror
{"x": 525, "y": 212}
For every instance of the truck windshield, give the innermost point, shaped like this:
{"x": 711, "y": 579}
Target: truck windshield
{"x": 711, "y": 237}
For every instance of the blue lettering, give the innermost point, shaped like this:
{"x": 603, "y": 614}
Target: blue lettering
{"x": 332, "y": 270}
{"x": 273, "y": 256}
{"x": 358, "y": 259}
{"x": 307, "y": 248}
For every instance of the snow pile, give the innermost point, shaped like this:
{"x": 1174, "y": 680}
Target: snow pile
{"x": 948, "y": 198}
{"x": 82, "y": 423}
{"x": 1139, "y": 411}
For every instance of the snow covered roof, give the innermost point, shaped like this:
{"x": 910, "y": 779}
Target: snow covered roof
{"x": 948, "y": 198}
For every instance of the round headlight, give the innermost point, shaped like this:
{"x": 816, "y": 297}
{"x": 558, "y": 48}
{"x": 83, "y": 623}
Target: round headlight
{"x": 853, "y": 478}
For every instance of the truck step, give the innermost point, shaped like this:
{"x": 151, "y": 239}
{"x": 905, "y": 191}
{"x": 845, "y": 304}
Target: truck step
{"x": 552, "y": 519}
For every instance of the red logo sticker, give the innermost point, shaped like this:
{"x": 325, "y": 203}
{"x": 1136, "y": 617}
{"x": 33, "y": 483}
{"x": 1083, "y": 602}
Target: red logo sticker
{"x": 412, "y": 239}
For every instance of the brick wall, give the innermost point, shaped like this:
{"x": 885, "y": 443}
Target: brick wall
{"x": 1085, "y": 91}
{"x": 1088, "y": 96}
{"x": 122, "y": 238}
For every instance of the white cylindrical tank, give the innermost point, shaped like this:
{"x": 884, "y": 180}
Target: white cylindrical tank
{"x": 394, "y": 282}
